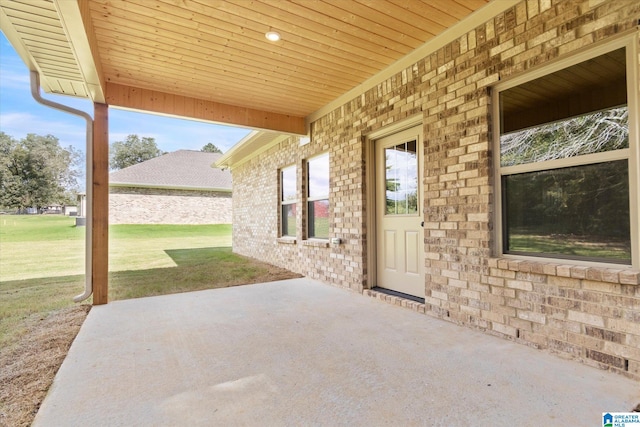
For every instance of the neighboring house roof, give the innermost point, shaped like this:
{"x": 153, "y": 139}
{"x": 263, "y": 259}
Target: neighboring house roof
{"x": 182, "y": 169}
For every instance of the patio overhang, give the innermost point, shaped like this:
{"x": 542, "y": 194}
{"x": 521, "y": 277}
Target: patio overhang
{"x": 212, "y": 62}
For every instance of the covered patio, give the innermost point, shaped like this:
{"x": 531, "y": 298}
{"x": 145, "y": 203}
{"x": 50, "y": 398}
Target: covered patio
{"x": 219, "y": 63}
{"x": 299, "y": 352}
{"x": 344, "y": 80}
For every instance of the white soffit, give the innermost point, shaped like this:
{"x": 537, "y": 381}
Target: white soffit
{"x": 40, "y": 36}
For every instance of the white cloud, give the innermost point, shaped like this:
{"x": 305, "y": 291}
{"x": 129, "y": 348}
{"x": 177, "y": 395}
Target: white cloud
{"x": 14, "y": 79}
{"x": 171, "y": 133}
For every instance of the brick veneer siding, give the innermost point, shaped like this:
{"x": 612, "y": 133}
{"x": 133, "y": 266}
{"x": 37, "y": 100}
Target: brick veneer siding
{"x": 130, "y": 205}
{"x": 591, "y": 314}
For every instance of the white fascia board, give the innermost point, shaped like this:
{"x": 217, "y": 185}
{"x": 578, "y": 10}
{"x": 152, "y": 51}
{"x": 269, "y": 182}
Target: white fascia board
{"x": 225, "y": 161}
{"x": 71, "y": 20}
{"x": 250, "y": 146}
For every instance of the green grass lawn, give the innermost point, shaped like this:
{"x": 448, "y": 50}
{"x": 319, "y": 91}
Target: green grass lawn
{"x": 42, "y": 264}
{"x": 567, "y": 245}
{"x": 35, "y": 246}
{"x": 40, "y": 246}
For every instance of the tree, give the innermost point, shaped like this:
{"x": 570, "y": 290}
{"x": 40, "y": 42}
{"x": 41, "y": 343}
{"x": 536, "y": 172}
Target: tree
{"x": 596, "y": 132}
{"x": 8, "y": 182}
{"x": 36, "y": 171}
{"x": 211, "y": 148}
{"x": 132, "y": 151}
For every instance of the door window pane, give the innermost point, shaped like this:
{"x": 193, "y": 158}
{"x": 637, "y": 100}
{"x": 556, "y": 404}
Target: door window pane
{"x": 401, "y": 179}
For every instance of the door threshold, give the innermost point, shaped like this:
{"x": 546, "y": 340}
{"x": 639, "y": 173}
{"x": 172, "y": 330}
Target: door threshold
{"x": 398, "y": 294}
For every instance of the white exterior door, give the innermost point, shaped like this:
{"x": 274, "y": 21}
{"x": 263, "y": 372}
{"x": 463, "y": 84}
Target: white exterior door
{"x": 399, "y": 226}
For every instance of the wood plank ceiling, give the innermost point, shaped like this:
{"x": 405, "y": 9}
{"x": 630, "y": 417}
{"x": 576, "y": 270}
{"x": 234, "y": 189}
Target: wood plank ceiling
{"x": 217, "y": 50}
{"x": 594, "y": 84}
{"x": 601, "y": 71}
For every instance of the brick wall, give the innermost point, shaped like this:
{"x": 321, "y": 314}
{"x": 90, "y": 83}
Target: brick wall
{"x": 129, "y": 205}
{"x": 256, "y": 214}
{"x": 591, "y": 314}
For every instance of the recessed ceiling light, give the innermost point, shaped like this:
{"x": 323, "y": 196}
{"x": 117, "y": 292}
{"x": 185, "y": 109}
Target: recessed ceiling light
{"x": 272, "y": 36}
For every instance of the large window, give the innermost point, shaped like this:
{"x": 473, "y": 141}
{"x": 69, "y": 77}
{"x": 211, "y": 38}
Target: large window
{"x": 288, "y": 201}
{"x": 318, "y": 196}
{"x": 564, "y": 167}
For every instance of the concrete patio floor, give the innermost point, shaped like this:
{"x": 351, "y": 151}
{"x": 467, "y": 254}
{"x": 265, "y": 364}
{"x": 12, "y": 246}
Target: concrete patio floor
{"x": 298, "y": 352}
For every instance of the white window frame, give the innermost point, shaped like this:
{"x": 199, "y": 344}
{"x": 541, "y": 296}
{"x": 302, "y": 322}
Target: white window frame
{"x": 283, "y": 202}
{"x": 315, "y": 199}
{"x": 632, "y": 154}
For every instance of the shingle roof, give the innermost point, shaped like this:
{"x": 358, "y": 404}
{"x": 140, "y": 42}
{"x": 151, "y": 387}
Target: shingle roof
{"x": 181, "y": 169}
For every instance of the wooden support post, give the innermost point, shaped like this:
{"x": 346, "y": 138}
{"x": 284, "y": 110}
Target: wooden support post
{"x": 100, "y": 204}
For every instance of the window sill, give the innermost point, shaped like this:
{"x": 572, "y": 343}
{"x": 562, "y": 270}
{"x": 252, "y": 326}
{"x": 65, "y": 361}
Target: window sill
{"x": 287, "y": 240}
{"x": 318, "y": 243}
{"x": 621, "y": 276}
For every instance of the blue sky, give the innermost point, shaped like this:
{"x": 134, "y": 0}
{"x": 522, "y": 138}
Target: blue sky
{"x": 20, "y": 115}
